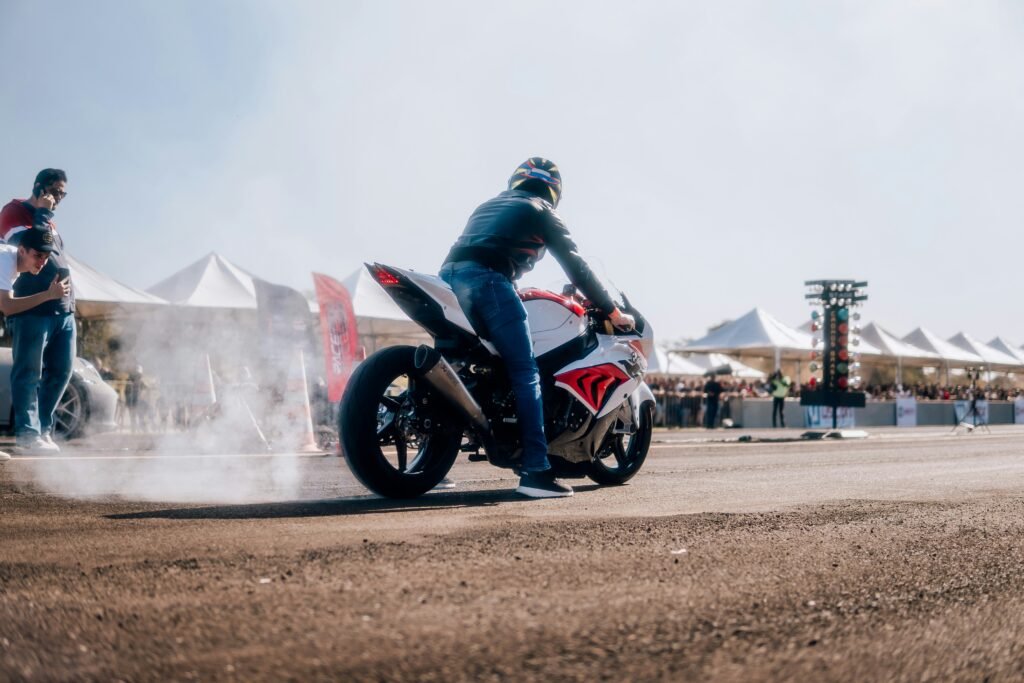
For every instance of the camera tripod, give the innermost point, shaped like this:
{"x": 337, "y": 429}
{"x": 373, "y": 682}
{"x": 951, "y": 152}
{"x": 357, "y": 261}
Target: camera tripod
{"x": 972, "y": 413}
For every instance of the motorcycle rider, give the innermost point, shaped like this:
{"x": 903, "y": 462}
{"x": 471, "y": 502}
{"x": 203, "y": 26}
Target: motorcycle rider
{"x": 504, "y": 238}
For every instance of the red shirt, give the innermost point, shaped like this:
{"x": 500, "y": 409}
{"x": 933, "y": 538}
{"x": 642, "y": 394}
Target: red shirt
{"x": 18, "y": 215}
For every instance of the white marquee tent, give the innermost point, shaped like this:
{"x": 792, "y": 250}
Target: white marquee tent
{"x": 757, "y": 333}
{"x": 213, "y": 282}
{"x": 994, "y": 359}
{"x": 1000, "y": 344}
{"x": 714, "y": 361}
{"x": 210, "y": 282}
{"x": 951, "y": 354}
{"x": 904, "y": 353}
{"x": 890, "y": 345}
{"x": 667, "y": 363}
{"x": 99, "y": 295}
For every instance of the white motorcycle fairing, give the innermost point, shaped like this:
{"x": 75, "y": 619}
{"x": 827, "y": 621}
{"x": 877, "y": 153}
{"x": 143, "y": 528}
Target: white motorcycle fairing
{"x": 606, "y": 377}
{"x": 602, "y": 380}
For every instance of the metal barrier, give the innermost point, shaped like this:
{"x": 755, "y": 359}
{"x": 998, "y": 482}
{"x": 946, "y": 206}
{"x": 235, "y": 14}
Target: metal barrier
{"x": 678, "y": 410}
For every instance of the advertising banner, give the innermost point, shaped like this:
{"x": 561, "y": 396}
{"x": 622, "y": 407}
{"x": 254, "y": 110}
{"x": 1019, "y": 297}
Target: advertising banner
{"x": 820, "y": 417}
{"x": 340, "y": 333}
{"x": 906, "y": 412}
{"x": 962, "y": 408}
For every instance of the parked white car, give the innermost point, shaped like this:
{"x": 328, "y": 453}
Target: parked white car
{"x": 89, "y": 404}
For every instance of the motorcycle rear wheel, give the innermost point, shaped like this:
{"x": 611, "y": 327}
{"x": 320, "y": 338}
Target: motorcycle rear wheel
{"x": 379, "y": 430}
{"x": 627, "y": 457}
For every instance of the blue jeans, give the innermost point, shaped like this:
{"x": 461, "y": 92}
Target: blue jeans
{"x": 44, "y": 353}
{"x": 494, "y": 308}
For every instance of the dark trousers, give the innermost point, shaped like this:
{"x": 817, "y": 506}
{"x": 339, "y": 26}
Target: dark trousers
{"x": 711, "y": 413}
{"x": 494, "y": 309}
{"x": 778, "y": 405}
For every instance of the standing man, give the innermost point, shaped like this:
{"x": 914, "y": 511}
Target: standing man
{"x": 712, "y": 392}
{"x": 44, "y": 334}
{"x": 778, "y": 386}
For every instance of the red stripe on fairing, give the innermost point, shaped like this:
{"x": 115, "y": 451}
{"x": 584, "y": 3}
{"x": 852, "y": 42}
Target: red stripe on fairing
{"x": 593, "y": 384}
{"x": 532, "y": 294}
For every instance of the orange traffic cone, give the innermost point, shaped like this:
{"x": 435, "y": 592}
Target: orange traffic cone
{"x": 297, "y": 406}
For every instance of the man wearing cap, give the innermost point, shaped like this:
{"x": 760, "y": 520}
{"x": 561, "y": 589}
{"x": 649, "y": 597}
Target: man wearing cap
{"x": 39, "y": 307}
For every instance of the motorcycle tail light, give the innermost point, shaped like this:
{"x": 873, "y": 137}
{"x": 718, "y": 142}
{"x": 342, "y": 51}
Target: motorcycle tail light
{"x": 384, "y": 278}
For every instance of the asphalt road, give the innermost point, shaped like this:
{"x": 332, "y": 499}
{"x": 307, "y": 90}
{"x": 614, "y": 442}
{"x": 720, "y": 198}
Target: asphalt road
{"x": 899, "y": 557}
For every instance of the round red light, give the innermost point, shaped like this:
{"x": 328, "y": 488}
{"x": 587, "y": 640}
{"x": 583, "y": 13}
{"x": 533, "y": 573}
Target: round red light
{"x": 844, "y": 354}
{"x": 843, "y": 328}
{"x": 842, "y": 382}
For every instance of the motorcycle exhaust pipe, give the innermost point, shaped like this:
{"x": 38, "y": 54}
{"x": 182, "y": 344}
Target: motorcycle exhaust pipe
{"x": 432, "y": 368}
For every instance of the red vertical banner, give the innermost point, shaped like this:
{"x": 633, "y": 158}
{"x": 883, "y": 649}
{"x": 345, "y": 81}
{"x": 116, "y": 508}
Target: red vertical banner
{"x": 340, "y": 333}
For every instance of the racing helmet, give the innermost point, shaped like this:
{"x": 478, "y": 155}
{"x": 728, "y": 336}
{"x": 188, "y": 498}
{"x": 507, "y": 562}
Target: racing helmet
{"x": 538, "y": 176}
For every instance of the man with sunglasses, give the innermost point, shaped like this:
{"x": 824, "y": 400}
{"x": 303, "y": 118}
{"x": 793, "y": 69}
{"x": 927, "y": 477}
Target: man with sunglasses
{"x": 503, "y": 239}
{"x": 43, "y": 334}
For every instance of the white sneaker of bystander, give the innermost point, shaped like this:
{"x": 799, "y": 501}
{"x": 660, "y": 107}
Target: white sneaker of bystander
{"x": 36, "y": 446}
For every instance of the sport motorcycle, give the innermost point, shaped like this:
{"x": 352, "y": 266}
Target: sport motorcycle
{"x": 407, "y": 412}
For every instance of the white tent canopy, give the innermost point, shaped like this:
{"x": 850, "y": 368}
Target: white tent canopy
{"x": 953, "y": 355}
{"x": 667, "y": 363}
{"x": 215, "y": 282}
{"x": 97, "y": 294}
{"x": 890, "y": 345}
{"x": 994, "y": 359}
{"x": 999, "y": 344}
{"x": 210, "y": 282}
{"x": 712, "y": 361}
{"x": 758, "y": 333}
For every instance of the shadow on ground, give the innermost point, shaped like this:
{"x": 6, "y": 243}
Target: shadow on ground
{"x": 339, "y": 506}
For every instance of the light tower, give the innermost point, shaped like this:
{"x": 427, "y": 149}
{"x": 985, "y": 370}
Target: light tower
{"x": 834, "y": 318}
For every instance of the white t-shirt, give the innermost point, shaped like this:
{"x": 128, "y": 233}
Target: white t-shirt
{"x": 8, "y": 266}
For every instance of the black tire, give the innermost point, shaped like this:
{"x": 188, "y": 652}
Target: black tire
{"x": 627, "y": 458}
{"x": 370, "y": 418}
{"x": 72, "y": 413}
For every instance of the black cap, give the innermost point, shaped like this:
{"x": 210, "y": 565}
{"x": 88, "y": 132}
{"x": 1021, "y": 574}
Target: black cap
{"x": 38, "y": 239}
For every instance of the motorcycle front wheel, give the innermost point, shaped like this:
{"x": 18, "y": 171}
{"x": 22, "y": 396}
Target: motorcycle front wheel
{"x": 624, "y": 455}
{"x": 393, "y": 450}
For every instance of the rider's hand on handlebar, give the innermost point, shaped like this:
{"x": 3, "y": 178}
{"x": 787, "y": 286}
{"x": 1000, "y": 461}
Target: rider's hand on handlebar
{"x": 622, "y": 321}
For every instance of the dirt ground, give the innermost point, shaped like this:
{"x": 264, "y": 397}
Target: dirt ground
{"x": 897, "y": 558}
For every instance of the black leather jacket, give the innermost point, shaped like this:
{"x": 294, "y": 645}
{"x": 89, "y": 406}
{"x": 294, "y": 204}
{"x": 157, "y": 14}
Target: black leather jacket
{"x": 511, "y": 232}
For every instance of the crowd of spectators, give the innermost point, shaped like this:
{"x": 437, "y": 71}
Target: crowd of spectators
{"x": 683, "y": 403}
{"x": 937, "y": 392}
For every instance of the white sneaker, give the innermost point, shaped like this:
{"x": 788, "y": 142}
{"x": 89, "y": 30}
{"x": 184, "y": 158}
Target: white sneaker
{"x": 4, "y": 457}
{"x": 48, "y": 438}
{"x": 37, "y": 446}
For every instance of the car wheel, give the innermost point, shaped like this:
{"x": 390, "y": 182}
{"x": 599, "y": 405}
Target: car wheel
{"x": 72, "y": 412}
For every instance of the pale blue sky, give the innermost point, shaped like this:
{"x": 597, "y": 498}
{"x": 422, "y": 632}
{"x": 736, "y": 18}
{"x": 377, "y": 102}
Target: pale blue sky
{"x": 709, "y": 150}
